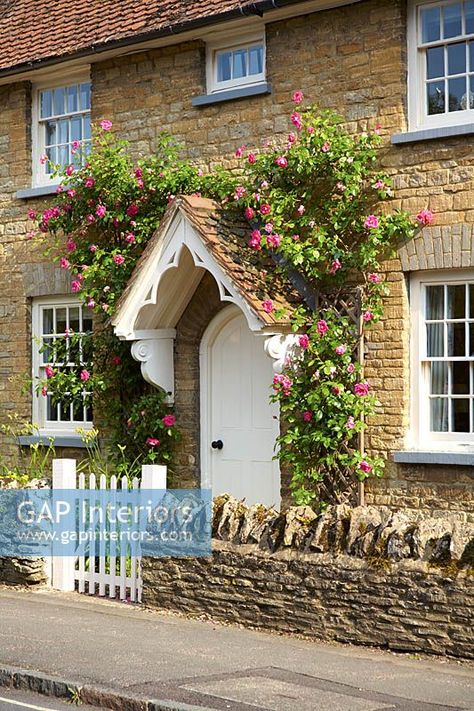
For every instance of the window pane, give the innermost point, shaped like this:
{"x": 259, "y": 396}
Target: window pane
{"x": 430, "y": 24}
{"x": 456, "y": 58}
{"x": 255, "y": 60}
{"x": 460, "y": 415}
{"x": 76, "y": 129}
{"x": 63, "y": 131}
{"x": 224, "y": 66}
{"x": 65, "y": 411}
{"x": 469, "y": 12}
{"x": 436, "y": 103}
{"x": 72, "y": 99}
{"x": 52, "y": 158}
{"x": 78, "y": 411}
{"x": 61, "y": 323}
{"x": 439, "y": 414}
{"x": 46, "y": 104}
{"x": 457, "y": 94}
{"x": 471, "y": 339}
{"x": 74, "y": 319}
{"x": 48, "y": 321}
{"x": 239, "y": 68}
{"x": 86, "y": 323}
{"x": 85, "y": 90}
{"x": 456, "y": 339}
{"x": 88, "y": 404}
{"x": 434, "y": 303}
{"x": 452, "y": 20}
{"x": 471, "y": 92}
{"x": 51, "y": 411}
{"x": 47, "y": 350}
{"x": 435, "y": 340}
{"x": 63, "y": 155}
{"x": 460, "y": 378}
{"x": 435, "y": 62}
{"x": 51, "y": 133}
{"x": 456, "y": 301}
{"x": 59, "y": 96}
{"x": 87, "y": 127}
{"x": 439, "y": 378}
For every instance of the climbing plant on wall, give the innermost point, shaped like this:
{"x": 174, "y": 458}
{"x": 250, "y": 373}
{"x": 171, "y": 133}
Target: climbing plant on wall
{"x": 314, "y": 203}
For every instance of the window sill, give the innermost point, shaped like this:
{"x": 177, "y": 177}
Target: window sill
{"x": 57, "y": 440}
{"x": 462, "y": 459}
{"x": 240, "y": 92}
{"x": 430, "y": 134}
{"x": 37, "y": 192}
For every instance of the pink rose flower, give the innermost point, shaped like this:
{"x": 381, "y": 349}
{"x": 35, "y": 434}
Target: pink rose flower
{"x": 425, "y": 217}
{"x": 371, "y": 222}
{"x": 106, "y": 125}
{"x": 100, "y": 210}
{"x": 130, "y": 238}
{"x": 268, "y": 306}
{"x": 168, "y": 420}
{"x": 90, "y": 304}
{"x": 300, "y": 210}
{"x": 368, "y": 316}
{"x": 90, "y": 219}
{"x": 350, "y": 368}
{"x": 340, "y": 350}
{"x": 303, "y": 341}
{"x": 350, "y": 424}
{"x": 138, "y": 172}
{"x": 307, "y": 416}
{"x": 335, "y": 266}
{"x": 64, "y": 263}
{"x": 295, "y": 238}
{"x": 85, "y": 375}
{"x": 326, "y": 147}
{"x": 89, "y": 182}
{"x": 336, "y": 390}
{"x": 322, "y": 327}
{"x": 297, "y": 97}
{"x": 48, "y": 371}
{"x": 255, "y": 241}
{"x": 132, "y": 210}
{"x": 70, "y": 170}
{"x": 152, "y": 442}
{"x": 361, "y": 389}
{"x": 296, "y": 120}
{"x": 119, "y": 259}
{"x": 76, "y": 286}
{"x": 116, "y": 360}
{"x": 281, "y": 161}
{"x": 374, "y": 278}
{"x": 31, "y": 214}
{"x": 43, "y": 159}
{"x": 70, "y": 245}
{"x": 365, "y": 467}
{"x": 379, "y": 185}
{"x": 265, "y": 209}
{"x": 249, "y": 213}
{"x": 252, "y": 158}
{"x": 273, "y": 241}
{"x": 76, "y": 145}
{"x": 291, "y": 137}
{"x": 93, "y": 248}
{"x": 239, "y": 192}
{"x": 239, "y": 151}
{"x": 44, "y": 391}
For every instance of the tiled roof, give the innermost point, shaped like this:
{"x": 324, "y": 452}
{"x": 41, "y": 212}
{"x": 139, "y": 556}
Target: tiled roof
{"x": 226, "y": 239}
{"x": 36, "y": 30}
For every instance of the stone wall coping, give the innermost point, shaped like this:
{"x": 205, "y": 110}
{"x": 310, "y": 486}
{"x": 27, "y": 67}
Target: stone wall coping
{"x": 239, "y": 93}
{"x": 430, "y": 134}
{"x": 26, "y": 193}
{"x": 463, "y": 459}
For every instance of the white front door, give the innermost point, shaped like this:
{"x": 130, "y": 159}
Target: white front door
{"x": 239, "y": 424}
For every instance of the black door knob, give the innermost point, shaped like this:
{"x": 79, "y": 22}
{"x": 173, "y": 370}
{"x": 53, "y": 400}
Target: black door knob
{"x": 217, "y": 444}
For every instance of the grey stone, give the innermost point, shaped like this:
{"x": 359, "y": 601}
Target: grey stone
{"x": 255, "y": 520}
{"x": 426, "y": 536}
{"x": 362, "y": 536}
{"x": 231, "y": 519}
{"x": 298, "y": 520}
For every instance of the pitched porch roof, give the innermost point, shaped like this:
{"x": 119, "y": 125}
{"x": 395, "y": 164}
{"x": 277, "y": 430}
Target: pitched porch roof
{"x": 195, "y": 236}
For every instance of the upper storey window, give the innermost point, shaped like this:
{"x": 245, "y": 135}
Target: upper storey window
{"x": 441, "y": 44}
{"x": 63, "y": 127}
{"x": 232, "y": 65}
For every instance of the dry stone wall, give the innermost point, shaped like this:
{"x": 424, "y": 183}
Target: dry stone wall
{"x": 364, "y": 575}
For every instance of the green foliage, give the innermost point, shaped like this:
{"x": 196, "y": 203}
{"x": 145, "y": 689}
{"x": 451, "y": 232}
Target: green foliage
{"x": 314, "y": 204}
{"x": 33, "y": 461}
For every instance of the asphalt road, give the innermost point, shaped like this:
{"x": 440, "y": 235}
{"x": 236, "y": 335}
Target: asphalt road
{"x": 152, "y": 655}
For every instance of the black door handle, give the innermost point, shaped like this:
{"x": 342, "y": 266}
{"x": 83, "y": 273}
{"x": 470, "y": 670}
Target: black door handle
{"x": 217, "y": 444}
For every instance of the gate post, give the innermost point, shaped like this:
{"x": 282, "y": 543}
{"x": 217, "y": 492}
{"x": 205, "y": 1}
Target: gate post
{"x": 64, "y": 477}
{"x": 153, "y": 476}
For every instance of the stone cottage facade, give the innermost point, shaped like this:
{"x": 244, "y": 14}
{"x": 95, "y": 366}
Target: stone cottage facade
{"x": 220, "y": 75}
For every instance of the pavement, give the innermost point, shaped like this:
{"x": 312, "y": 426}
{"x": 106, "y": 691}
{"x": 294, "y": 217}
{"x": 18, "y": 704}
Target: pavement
{"x": 120, "y": 656}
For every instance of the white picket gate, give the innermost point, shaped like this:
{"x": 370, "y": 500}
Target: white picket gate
{"x": 99, "y": 571}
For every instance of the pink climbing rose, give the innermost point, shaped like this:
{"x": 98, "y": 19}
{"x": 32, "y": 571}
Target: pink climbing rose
{"x": 425, "y": 217}
{"x": 152, "y": 442}
{"x": 297, "y": 97}
{"x": 361, "y": 389}
{"x": 340, "y": 350}
{"x": 273, "y": 240}
{"x": 296, "y": 120}
{"x": 85, "y": 375}
{"x": 303, "y": 341}
{"x": 365, "y": 467}
{"x": 374, "y": 278}
{"x": 100, "y": 210}
{"x": 367, "y": 316}
{"x": 371, "y": 222}
{"x": 64, "y": 263}
{"x": 265, "y": 209}
{"x": 350, "y": 424}
{"x": 119, "y": 259}
{"x": 268, "y": 306}
{"x": 106, "y": 125}
{"x": 48, "y": 371}
{"x": 249, "y": 213}
{"x": 168, "y": 420}
{"x": 252, "y": 158}
{"x": 335, "y": 266}
{"x": 281, "y": 161}
{"x": 322, "y": 327}
{"x": 307, "y": 416}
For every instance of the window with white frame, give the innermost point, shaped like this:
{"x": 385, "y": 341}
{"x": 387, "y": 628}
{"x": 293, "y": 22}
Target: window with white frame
{"x": 443, "y": 354}
{"x": 60, "y": 326}
{"x": 441, "y": 63}
{"x": 62, "y": 130}
{"x": 232, "y": 64}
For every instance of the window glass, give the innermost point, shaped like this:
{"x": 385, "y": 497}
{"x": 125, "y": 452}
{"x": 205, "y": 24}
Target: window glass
{"x": 237, "y": 65}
